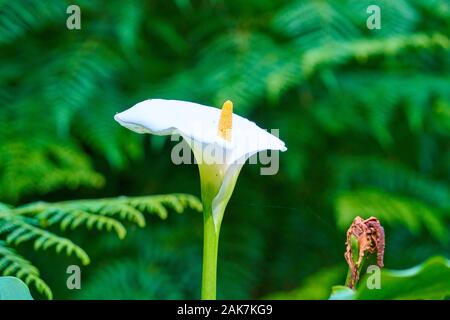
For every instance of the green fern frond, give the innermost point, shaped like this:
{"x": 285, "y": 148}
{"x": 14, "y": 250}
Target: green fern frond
{"x": 102, "y": 135}
{"x": 350, "y": 107}
{"x": 75, "y": 218}
{"x": 11, "y": 263}
{"x": 42, "y": 168}
{"x": 18, "y": 229}
{"x": 29, "y": 223}
{"x": 315, "y": 23}
{"x": 362, "y": 49}
{"x": 19, "y": 17}
{"x": 390, "y": 209}
{"x": 125, "y": 208}
{"x": 357, "y": 172}
{"x": 157, "y": 204}
{"x": 73, "y": 78}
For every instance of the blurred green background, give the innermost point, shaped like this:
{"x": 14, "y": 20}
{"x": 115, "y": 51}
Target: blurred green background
{"x": 365, "y": 115}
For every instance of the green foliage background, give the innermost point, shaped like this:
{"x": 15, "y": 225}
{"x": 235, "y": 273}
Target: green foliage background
{"x": 365, "y": 115}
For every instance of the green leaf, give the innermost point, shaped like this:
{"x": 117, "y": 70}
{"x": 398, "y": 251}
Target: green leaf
{"x": 428, "y": 281}
{"x": 12, "y": 288}
{"x": 342, "y": 293}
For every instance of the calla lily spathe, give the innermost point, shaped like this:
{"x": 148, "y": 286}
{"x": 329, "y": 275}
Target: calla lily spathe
{"x": 220, "y": 161}
{"x": 221, "y": 142}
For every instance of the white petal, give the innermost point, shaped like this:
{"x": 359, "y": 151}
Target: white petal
{"x": 165, "y": 117}
{"x": 199, "y": 123}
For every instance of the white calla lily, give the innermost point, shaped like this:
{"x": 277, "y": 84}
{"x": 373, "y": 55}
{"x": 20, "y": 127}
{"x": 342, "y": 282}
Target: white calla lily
{"x": 221, "y": 143}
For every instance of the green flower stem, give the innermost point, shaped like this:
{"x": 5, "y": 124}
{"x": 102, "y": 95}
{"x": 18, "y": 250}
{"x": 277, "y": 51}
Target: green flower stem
{"x": 210, "y": 250}
{"x": 211, "y": 178}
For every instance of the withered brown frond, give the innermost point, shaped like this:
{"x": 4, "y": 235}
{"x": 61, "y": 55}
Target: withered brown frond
{"x": 369, "y": 235}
